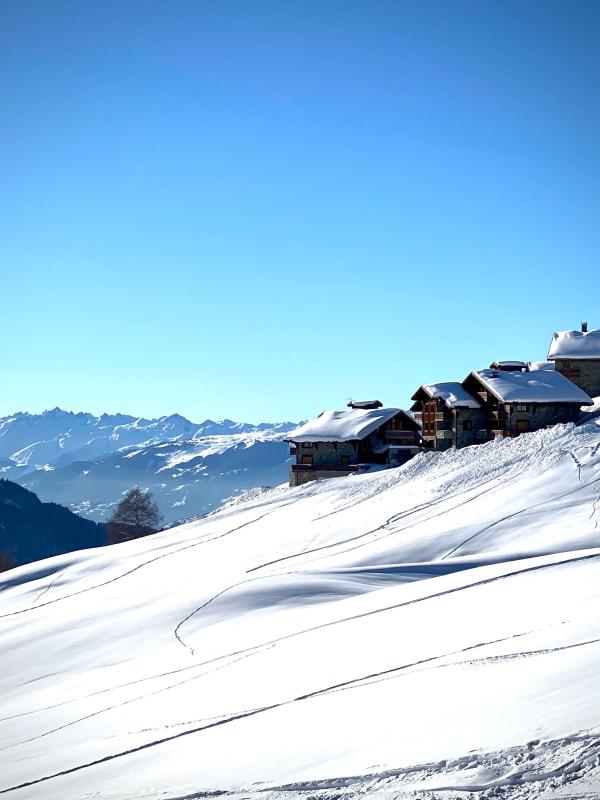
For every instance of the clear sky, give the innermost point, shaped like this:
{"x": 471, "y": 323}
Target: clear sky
{"x": 258, "y": 209}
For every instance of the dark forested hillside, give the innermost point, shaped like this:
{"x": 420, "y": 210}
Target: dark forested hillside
{"x": 31, "y": 530}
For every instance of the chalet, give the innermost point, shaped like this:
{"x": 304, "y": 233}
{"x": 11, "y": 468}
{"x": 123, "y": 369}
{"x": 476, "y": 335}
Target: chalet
{"x": 516, "y": 402}
{"x": 576, "y": 355}
{"x": 449, "y": 415}
{"x": 338, "y": 443}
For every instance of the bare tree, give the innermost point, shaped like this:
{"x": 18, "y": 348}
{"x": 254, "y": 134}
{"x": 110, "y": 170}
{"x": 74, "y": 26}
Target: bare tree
{"x": 6, "y": 561}
{"x": 136, "y": 515}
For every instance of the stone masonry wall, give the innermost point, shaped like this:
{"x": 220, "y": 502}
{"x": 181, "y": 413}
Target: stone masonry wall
{"x": 327, "y": 452}
{"x": 588, "y": 378}
{"x": 541, "y": 415}
{"x": 478, "y": 420}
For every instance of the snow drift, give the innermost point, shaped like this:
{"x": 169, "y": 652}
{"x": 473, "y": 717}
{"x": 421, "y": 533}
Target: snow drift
{"x": 419, "y": 631}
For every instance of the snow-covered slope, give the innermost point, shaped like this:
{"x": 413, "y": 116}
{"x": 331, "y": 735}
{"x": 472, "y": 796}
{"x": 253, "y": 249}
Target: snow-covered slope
{"x": 422, "y": 632}
{"x": 88, "y": 462}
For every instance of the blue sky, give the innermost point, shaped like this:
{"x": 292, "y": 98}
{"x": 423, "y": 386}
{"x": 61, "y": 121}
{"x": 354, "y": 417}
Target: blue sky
{"x": 259, "y": 209}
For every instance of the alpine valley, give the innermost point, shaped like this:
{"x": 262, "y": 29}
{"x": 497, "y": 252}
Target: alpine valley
{"x": 87, "y": 462}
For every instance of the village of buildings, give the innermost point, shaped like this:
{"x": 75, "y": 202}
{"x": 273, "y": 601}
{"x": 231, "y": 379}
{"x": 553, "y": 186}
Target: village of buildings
{"x": 505, "y": 400}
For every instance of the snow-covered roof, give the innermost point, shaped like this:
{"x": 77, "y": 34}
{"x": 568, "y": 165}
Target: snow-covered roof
{"x": 343, "y": 426}
{"x": 575, "y": 344}
{"x": 452, "y": 393}
{"x": 540, "y": 386}
{"x": 535, "y": 366}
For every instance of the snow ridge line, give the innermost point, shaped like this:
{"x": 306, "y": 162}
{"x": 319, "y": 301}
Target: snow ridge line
{"x": 364, "y": 614}
{"x": 521, "y": 511}
{"x": 395, "y": 518}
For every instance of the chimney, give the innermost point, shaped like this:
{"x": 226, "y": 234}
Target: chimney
{"x": 584, "y": 327}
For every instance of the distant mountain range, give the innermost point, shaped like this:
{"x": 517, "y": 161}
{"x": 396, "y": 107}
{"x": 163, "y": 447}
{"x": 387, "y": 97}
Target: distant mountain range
{"x": 87, "y": 462}
{"x": 31, "y": 530}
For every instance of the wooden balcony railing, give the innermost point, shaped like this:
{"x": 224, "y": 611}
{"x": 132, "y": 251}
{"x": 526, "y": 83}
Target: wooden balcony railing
{"x": 324, "y": 467}
{"x": 402, "y": 437}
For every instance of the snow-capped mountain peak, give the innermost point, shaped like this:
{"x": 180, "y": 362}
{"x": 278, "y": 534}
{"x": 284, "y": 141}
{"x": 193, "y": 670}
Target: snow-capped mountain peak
{"x": 86, "y": 461}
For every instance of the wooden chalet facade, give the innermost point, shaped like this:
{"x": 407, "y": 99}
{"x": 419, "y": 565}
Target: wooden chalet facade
{"x": 576, "y": 355}
{"x": 338, "y": 443}
{"x": 449, "y": 416}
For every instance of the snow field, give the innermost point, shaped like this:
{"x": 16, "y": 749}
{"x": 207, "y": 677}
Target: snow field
{"x": 414, "y": 632}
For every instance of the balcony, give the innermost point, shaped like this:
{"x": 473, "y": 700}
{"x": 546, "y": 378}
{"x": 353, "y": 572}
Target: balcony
{"x": 402, "y": 437}
{"x": 324, "y": 467}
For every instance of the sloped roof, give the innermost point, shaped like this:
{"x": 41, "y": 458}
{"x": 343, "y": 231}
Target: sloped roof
{"x": 452, "y": 393}
{"x": 575, "y": 344}
{"x": 541, "y": 386}
{"x": 344, "y": 426}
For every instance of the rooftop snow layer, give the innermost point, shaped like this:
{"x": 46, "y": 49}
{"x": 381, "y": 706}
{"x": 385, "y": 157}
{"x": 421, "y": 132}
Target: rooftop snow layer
{"x": 541, "y": 386}
{"x": 536, "y": 366}
{"x": 575, "y": 344}
{"x": 452, "y": 393}
{"x": 342, "y": 426}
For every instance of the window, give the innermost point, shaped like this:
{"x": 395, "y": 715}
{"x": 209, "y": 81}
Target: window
{"x": 308, "y": 460}
{"x": 307, "y": 445}
{"x": 467, "y": 425}
{"x": 345, "y": 461}
{"x": 521, "y": 408}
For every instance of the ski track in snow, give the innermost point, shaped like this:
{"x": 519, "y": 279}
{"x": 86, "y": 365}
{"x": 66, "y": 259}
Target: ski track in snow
{"x": 485, "y": 485}
{"x": 327, "y": 690}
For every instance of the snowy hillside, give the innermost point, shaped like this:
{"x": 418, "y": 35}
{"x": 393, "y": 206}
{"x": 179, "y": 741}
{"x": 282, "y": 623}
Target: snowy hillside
{"x": 87, "y": 462}
{"x": 428, "y": 631}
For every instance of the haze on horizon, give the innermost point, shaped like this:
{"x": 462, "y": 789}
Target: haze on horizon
{"x": 257, "y": 210}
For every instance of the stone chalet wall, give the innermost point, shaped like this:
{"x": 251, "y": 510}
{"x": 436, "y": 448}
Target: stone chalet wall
{"x": 300, "y": 478}
{"x": 478, "y": 419}
{"x": 326, "y": 452}
{"x": 584, "y": 372}
{"x": 541, "y": 415}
